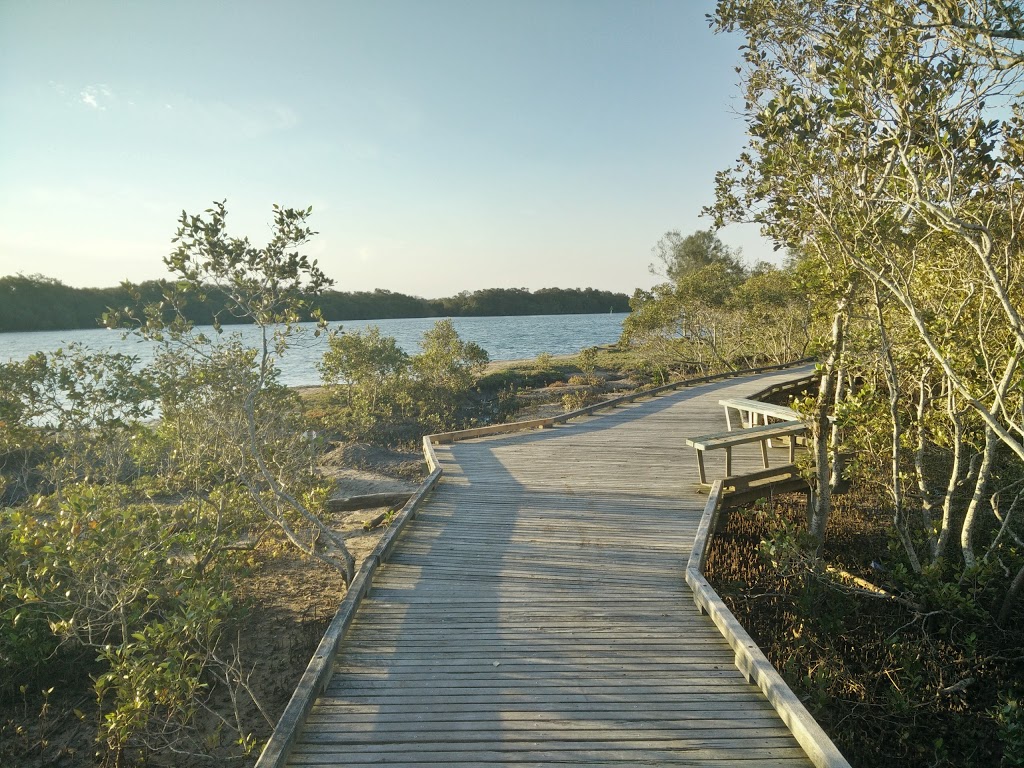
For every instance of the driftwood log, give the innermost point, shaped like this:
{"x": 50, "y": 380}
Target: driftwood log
{"x": 368, "y": 501}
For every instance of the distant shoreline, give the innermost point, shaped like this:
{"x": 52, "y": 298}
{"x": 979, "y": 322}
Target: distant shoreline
{"x": 37, "y": 303}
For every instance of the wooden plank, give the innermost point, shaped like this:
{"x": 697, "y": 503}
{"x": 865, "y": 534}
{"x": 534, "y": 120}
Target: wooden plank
{"x": 566, "y": 749}
{"x": 749, "y": 408}
{"x": 534, "y": 612}
{"x": 751, "y": 435}
{"x": 714, "y": 703}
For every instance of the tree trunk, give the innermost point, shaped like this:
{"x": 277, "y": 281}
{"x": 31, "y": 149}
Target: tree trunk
{"x": 821, "y": 427}
{"x": 899, "y": 518}
{"x": 1011, "y": 597}
{"x": 971, "y": 518}
{"x": 942, "y": 540}
{"x": 924, "y": 402}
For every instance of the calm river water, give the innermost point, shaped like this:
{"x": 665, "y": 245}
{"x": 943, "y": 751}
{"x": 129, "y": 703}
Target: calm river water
{"x": 504, "y": 338}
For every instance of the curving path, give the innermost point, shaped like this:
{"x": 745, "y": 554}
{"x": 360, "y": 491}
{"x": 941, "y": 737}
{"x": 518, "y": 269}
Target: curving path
{"x": 535, "y": 611}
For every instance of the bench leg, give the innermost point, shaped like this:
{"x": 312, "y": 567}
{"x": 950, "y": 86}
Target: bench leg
{"x": 792, "y": 450}
{"x": 764, "y": 453}
{"x": 728, "y": 462}
{"x": 728, "y": 421}
{"x": 700, "y": 467}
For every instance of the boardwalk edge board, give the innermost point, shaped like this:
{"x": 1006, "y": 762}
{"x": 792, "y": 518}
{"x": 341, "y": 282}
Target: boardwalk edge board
{"x": 750, "y": 660}
{"x": 550, "y": 421}
{"x": 318, "y": 673}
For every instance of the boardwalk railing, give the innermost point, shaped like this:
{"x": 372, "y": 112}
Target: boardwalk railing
{"x": 750, "y": 660}
{"x": 318, "y": 673}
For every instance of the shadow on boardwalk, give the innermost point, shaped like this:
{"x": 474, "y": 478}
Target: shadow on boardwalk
{"x": 535, "y": 613}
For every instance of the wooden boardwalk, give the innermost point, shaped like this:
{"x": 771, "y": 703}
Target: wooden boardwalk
{"x": 535, "y": 612}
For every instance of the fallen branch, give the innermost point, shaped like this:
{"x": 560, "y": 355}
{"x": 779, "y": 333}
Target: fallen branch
{"x": 372, "y": 523}
{"x": 367, "y": 501}
{"x": 873, "y": 589}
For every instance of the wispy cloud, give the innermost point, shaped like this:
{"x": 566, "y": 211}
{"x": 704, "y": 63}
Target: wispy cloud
{"x": 245, "y": 119}
{"x": 96, "y": 96}
{"x": 242, "y": 119}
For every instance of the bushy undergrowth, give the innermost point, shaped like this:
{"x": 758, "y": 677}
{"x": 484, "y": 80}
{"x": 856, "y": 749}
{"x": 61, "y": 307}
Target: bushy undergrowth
{"x": 375, "y": 391}
{"x": 116, "y": 557}
{"x": 921, "y": 675}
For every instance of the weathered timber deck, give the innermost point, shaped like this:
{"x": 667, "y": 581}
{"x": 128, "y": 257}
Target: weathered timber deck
{"x": 535, "y": 613}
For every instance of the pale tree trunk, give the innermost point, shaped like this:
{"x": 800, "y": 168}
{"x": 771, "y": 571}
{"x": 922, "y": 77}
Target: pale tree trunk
{"x": 1018, "y": 581}
{"x": 899, "y": 518}
{"x": 955, "y": 478}
{"x": 989, "y": 414}
{"x": 924, "y": 401}
{"x": 971, "y": 517}
{"x": 821, "y": 426}
{"x": 838, "y": 395}
{"x": 1011, "y": 596}
{"x": 1004, "y": 520}
{"x": 338, "y": 555}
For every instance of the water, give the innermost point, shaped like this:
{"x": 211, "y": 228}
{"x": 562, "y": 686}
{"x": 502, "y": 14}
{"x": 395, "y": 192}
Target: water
{"x": 504, "y": 338}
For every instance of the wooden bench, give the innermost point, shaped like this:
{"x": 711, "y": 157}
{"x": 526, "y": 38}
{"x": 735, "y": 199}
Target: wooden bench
{"x": 756, "y": 434}
{"x": 749, "y": 410}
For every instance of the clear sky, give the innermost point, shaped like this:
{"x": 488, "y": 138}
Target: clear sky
{"x": 444, "y": 145}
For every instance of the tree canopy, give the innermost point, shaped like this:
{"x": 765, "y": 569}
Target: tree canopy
{"x": 885, "y": 145}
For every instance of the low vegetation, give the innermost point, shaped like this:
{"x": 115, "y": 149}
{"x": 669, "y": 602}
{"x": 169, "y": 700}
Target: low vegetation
{"x": 915, "y": 672}
{"x": 138, "y": 505}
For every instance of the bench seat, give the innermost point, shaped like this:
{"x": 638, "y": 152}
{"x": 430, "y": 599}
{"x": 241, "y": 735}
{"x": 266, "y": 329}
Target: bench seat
{"x": 757, "y": 434}
{"x": 748, "y": 409}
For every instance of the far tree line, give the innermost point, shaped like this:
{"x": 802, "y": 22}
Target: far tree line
{"x": 39, "y": 303}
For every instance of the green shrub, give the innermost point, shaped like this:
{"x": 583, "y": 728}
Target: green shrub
{"x": 378, "y": 393}
{"x": 1009, "y": 717}
{"x": 92, "y": 576}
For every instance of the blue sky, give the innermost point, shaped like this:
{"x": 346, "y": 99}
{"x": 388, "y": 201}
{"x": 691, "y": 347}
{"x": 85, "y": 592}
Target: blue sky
{"x": 444, "y": 145}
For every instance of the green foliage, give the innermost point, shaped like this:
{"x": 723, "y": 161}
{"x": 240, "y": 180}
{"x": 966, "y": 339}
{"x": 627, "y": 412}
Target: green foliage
{"x": 369, "y": 376}
{"x": 205, "y": 402}
{"x": 885, "y": 148}
{"x": 115, "y": 553}
{"x": 491, "y": 302}
{"x": 680, "y": 256}
{"x": 95, "y": 576}
{"x": 39, "y": 303}
{"x": 587, "y": 361}
{"x": 70, "y": 415}
{"x": 1009, "y": 716}
{"x": 574, "y": 401}
{"x": 886, "y": 676}
{"x": 713, "y": 315}
{"x": 269, "y": 286}
{"x": 158, "y": 680}
{"x": 444, "y": 372}
{"x": 96, "y": 573}
{"x": 380, "y": 393}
